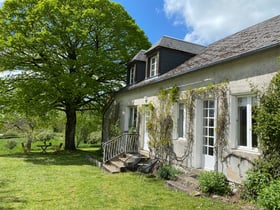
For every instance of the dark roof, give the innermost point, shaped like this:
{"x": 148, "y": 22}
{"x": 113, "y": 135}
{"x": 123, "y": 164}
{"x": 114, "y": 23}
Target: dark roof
{"x": 248, "y": 41}
{"x": 140, "y": 56}
{"x": 177, "y": 44}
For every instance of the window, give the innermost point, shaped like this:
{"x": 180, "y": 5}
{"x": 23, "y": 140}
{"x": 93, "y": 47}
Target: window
{"x": 208, "y": 127}
{"x": 182, "y": 116}
{"x": 153, "y": 66}
{"x": 132, "y": 75}
{"x": 132, "y": 118}
{"x": 246, "y": 138}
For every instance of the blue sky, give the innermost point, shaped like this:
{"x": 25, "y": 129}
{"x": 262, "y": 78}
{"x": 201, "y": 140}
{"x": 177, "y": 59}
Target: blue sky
{"x": 151, "y": 17}
{"x": 197, "y": 21}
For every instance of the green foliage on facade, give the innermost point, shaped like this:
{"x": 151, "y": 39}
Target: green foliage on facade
{"x": 160, "y": 123}
{"x": 266, "y": 169}
{"x": 267, "y": 117}
{"x": 218, "y": 92}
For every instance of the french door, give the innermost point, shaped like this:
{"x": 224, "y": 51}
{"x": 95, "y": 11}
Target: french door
{"x": 208, "y": 137}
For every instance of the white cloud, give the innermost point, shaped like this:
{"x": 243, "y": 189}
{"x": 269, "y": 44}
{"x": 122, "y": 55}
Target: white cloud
{"x": 211, "y": 20}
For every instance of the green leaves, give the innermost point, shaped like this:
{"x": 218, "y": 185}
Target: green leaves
{"x": 69, "y": 53}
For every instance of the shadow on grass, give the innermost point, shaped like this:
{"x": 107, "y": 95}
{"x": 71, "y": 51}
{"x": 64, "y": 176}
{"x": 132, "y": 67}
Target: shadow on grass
{"x": 6, "y": 197}
{"x": 6, "y": 200}
{"x": 78, "y": 157}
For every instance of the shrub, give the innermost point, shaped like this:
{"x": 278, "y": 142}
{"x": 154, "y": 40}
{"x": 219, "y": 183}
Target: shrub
{"x": 213, "y": 182}
{"x": 254, "y": 183}
{"x": 45, "y": 136}
{"x": 269, "y": 196}
{"x": 267, "y": 117}
{"x": 167, "y": 172}
{"x": 10, "y": 144}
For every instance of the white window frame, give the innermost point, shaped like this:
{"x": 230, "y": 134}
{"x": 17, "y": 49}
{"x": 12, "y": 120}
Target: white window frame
{"x": 153, "y": 66}
{"x": 182, "y": 106}
{"x": 250, "y": 100}
{"x": 132, "y": 75}
{"x": 209, "y": 114}
{"x": 132, "y": 118}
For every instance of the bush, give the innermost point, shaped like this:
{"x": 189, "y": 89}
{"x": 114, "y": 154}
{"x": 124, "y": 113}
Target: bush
{"x": 254, "y": 183}
{"x": 45, "y": 136}
{"x": 269, "y": 196}
{"x": 10, "y": 144}
{"x": 267, "y": 117}
{"x": 167, "y": 172}
{"x": 213, "y": 182}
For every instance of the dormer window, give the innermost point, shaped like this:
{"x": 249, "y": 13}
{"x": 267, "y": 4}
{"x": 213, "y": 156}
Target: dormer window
{"x": 132, "y": 75}
{"x": 153, "y": 66}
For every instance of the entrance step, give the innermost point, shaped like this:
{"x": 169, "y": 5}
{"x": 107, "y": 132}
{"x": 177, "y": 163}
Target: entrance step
{"x": 111, "y": 168}
{"x": 123, "y": 162}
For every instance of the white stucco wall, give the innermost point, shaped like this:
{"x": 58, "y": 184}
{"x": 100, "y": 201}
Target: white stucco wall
{"x": 257, "y": 69}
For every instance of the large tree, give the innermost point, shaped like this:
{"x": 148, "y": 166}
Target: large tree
{"x": 68, "y": 55}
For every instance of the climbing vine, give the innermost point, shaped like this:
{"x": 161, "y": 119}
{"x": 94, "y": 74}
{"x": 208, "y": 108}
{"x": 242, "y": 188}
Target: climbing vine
{"x": 219, "y": 93}
{"x": 160, "y": 123}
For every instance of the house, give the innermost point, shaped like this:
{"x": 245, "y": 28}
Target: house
{"x": 211, "y": 117}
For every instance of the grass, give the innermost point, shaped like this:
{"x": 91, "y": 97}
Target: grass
{"x": 68, "y": 181}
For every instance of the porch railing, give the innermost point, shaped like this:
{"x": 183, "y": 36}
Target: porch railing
{"x": 120, "y": 145}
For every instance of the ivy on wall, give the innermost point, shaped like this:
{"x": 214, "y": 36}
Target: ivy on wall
{"x": 219, "y": 93}
{"x": 160, "y": 123}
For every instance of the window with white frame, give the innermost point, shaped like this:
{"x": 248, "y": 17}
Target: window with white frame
{"x": 246, "y": 137}
{"x": 182, "y": 118}
{"x": 153, "y": 66}
{"x": 132, "y": 118}
{"x": 132, "y": 75}
{"x": 209, "y": 127}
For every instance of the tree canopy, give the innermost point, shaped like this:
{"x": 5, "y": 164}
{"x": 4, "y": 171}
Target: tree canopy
{"x": 67, "y": 55}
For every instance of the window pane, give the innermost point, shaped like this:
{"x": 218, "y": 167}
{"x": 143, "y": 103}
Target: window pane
{"x": 211, "y": 122}
{"x": 205, "y": 112}
{"x": 242, "y": 112}
{"x": 211, "y": 131}
{"x": 205, "y": 122}
{"x": 211, "y": 141}
{"x": 211, "y": 113}
{"x": 205, "y": 131}
{"x": 211, "y": 151}
{"x": 205, "y": 142}
{"x": 180, "y": 123}
{"x": 211, "y": 104}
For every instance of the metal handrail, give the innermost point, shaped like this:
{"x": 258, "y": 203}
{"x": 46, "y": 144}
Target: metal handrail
{"x": 120, "y": 145}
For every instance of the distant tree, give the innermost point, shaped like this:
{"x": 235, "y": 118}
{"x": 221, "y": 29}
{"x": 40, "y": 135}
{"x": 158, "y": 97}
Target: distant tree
{"x": 65, "y": 55}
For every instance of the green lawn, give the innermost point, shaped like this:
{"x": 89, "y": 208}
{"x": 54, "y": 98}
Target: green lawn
{"x": 69, "y": 181}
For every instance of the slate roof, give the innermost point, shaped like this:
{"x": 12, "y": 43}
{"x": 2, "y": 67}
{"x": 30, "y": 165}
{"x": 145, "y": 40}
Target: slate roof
{"x": 248, "y": 41}
{"x": 177, "y": 44}
{"x": 140, "y": 56}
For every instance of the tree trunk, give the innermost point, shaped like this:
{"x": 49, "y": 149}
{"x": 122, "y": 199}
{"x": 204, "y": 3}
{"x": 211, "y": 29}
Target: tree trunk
{"x": 70, "y": 129}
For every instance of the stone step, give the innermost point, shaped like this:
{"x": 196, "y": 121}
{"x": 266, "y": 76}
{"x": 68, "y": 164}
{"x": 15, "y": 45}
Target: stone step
{"x": 118, "y": 164}
{"x": 111, "y": 168}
